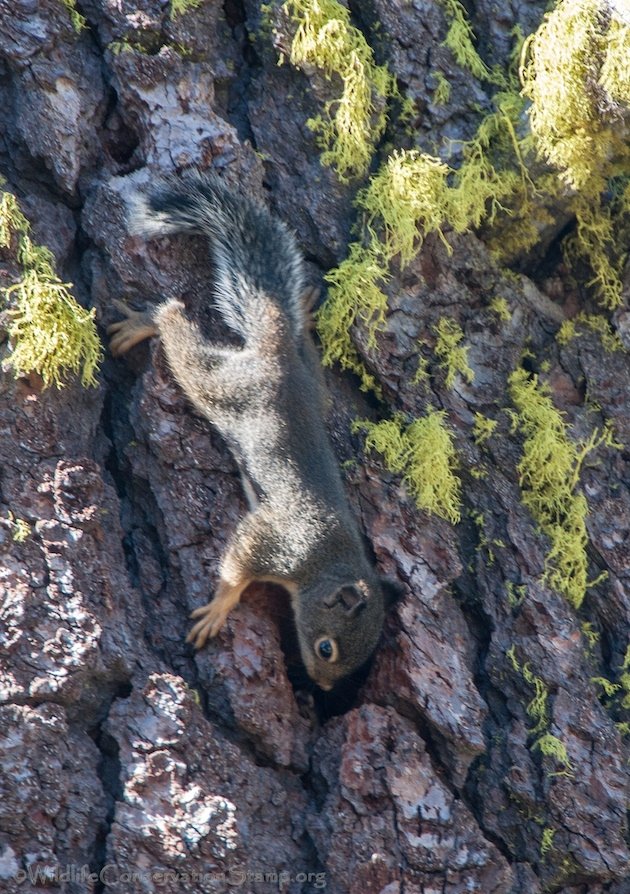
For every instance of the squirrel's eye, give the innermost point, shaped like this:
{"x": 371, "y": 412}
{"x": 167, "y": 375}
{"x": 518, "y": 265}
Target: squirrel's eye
{"x": 326, "y": 649}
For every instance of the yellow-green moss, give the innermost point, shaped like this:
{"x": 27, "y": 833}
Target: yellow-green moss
{"x": 501, "y": 308}
{"x": 575, "y": 72}
{"x": 51, "y": 333}
{"x": 431, "y": 471}
{"x": 402, "y": 203}
{"x": 538, "y": 711}
{"x": 459, "y": 40}
{"x": 414, "y": 193}
{"x": 422, "y": 375}
{"x": 424, "y": 453}
{"x": 483, "y": 428}
{"x": 591, "y": 636}
{"x": 617, "y": 694}
{"x": 405, "y": 200}
{"x": 20, "y": 529}
{"x": 453, "y": 358}
{"x": 78, "y": 21}
{"x": 624, "y": 680}
{"x": 569, "y": 330}
{"x": 442, "y": 92}
{"x": 597, "y": 241}
{"x": 564, "y": 60}
{"x": 515, "y": 593}
{"x": 552, "y": 746}
{"x": 548, "y": 473}
{"x": 179, "y": 7}
{"x": 492, "y": 173}
{"x": 546, "y": 841}
{"x": 610, "y": 688}
{"x": 351, "y": 124}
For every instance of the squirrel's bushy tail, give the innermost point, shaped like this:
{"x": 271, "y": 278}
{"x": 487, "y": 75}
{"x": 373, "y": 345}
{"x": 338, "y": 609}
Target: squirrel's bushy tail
{"x": 256, "y": 256}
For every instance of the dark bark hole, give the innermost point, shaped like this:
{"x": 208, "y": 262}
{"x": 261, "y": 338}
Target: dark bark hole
{"x": 234, "y": 13}
{"x": 325, "y": 704}
{"x": 120, "y": 141}
{"x": 343, "y": 697}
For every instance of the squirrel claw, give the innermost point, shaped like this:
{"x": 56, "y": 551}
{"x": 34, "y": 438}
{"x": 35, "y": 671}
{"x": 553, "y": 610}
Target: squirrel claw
{"x": 134, "y": 328}
{"x": 211, "y": 620}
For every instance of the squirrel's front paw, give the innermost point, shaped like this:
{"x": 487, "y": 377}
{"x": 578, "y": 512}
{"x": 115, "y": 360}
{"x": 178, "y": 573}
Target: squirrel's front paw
{"x": 211, "y": 619}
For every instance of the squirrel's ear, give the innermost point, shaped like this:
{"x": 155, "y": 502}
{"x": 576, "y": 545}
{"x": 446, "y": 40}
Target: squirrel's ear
{"x": 351, "y": 598}
{"x": 392, "y": 591}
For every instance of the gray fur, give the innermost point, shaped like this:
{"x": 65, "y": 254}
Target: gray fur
{"x": 255, "y": 254}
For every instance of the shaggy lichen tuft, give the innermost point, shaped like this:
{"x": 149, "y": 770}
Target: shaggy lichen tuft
{"x": 352, "y": 123}
{"x": 576, "y": 74}
{"x": 453, "y": 357}
{"x": 52, "y": 334}
{"x": 549, "y": 473}
{"x": 78, "y": 21}
{"x": 425, "y": 455}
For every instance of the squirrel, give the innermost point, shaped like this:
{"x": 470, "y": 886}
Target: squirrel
{"x": 265, "y": 396}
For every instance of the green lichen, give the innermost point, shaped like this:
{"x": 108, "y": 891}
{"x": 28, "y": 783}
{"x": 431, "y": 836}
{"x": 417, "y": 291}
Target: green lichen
{"x": 442, "y": 92}
{"x": 515, "y": 593}
{"x": 591, "y": 636}
{"x": 624, "y": 680}
{"x": 453, "y": 358}
{"x": 552, "y": 746}
{"x": 389, "y": 438}
{"x": 20, "y": 529}
{"x": 404, "y": 202}
{"x": 615, "y": 694}
{"x": 501, "y": 308}
{"x": 571, "y": 53}
{"x": 538, "y": 712}
{"x": 351, "y": 124}
{"x": 117, "y": 47}
{"x": 549, "y": 473}
{"x": 600, "y": 239}
{"x": 493, "y": 174}
{"x": 422, "y": 375}
{"x": 51, "y": 333}
{"x": 415, "y": 194}
{"x": 459, "y": 40}
{"x": 483, "y": 428}
{"x": 609, "y": 688}
{"x": 431, "y": 471}
{"x": 401, "y": 205}
{"x": 179, "y": 7}
{"x": 570, "y": 330}
{"x": 485, "y": 542}
{"x": 353, "y": 295}
{"x": 424, "y": 453}
{"x": 575, "y": 73}
{"x": 537, "y": 709}
{"x": 546, "y": 841}
{"x": 78, "y": 21}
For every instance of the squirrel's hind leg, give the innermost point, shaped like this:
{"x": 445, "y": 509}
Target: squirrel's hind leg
{"x": 130, "y": 331}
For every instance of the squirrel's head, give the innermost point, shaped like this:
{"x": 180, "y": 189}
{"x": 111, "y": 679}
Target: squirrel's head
{"x": 339, "y": 626}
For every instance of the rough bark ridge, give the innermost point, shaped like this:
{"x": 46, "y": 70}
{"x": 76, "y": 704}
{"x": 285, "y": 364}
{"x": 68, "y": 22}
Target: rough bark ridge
{"x": 122, "y": 752}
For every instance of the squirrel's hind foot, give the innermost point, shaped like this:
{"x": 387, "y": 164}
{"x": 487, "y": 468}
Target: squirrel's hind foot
{"x": 134, "y": 328}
